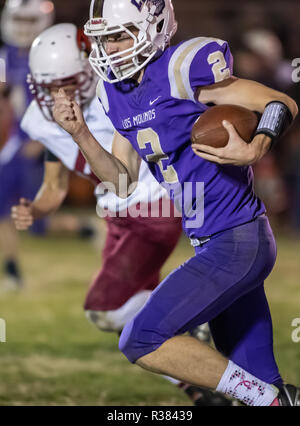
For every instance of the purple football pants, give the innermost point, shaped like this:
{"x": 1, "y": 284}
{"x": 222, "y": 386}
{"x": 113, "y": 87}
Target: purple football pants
{"x": 223, "y": 285}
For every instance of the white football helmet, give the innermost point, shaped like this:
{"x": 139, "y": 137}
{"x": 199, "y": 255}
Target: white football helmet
{"x": 23, "y": 20}
{"x": 155, "y": 22}
{"x": 58, "y": 58}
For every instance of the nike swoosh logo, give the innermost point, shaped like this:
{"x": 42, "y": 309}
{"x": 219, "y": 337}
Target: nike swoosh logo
{"x": 153, "y": 102}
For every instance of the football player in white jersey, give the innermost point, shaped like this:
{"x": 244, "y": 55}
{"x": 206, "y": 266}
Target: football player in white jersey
{"x": 59, "y": 58}
{"x": 136, "y": 247}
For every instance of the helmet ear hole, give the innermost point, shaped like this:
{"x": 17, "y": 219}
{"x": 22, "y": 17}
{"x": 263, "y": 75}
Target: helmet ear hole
{"x": 160, "y": 26}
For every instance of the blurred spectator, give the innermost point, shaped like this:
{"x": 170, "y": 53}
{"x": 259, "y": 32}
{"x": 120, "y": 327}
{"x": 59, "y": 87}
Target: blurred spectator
{"x": 261, "y": 58}
{"x": 21, "y": 22}
{"x": 21, "y": 163}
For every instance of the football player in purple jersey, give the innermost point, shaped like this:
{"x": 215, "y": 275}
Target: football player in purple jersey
{"x": 153, "y": 94}
{"x": 136, "y": 246}
{"x": 21, "y": 165}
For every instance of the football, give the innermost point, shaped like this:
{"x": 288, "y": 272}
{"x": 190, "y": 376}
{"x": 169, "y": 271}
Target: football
{"x": 208, "y": 129}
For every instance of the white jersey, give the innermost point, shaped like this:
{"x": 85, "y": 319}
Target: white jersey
{"x": 61, "y": 144}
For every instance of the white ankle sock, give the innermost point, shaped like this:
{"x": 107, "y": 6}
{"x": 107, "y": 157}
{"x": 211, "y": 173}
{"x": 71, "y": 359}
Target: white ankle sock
{"x": 241, "y": 385}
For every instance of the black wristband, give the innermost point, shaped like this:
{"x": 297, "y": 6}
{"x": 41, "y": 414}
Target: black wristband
{"x": 275, "y": 121}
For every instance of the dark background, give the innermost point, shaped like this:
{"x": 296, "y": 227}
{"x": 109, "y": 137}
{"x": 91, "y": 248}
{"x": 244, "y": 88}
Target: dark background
{"x": 219, "y": 18}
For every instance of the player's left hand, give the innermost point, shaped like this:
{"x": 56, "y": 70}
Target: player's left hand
{"x": 22, "y": 215}
{"x": 237, "y": 152}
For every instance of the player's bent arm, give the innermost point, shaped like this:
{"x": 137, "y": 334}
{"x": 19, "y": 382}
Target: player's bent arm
{"x": 105, "y": 166}
{"x": 108, "y": 167}
{"x": 124, "y": 152}
{"x": 246, "y": 93}
{"x": 53, "y": 190}
{"x": 48, "y": 199}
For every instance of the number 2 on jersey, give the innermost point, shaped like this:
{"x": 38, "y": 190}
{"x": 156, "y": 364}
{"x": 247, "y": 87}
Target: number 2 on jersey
{"x": 149, "y": 136}
{"x": 219, "y": 68}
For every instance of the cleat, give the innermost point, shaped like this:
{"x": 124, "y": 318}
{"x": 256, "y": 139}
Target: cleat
{"x": 289, "y": 396}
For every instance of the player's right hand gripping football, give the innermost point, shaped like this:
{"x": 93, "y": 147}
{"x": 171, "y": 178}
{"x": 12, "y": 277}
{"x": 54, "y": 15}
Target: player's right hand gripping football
{"x": 67, "y": 113}
{"x": 22, "y": 215}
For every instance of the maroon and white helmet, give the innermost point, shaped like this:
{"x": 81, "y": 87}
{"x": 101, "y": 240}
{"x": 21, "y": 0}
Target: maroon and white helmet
{"x": 23, "y": 20}
{"x": 59, "y": 57}
{"x": 153, "y": 19}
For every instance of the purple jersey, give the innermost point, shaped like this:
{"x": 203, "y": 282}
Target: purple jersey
{"x": 17, "y": 69}
{"x": 157, "y": 117}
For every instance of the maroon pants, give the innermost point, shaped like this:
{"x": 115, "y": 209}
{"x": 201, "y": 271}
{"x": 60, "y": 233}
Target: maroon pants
{"x": 134, "y": 252}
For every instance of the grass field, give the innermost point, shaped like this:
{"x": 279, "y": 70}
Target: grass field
{"x": 53, "y": 356}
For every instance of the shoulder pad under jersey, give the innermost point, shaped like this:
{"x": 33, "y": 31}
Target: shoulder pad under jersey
{"x": 198, "y": 62}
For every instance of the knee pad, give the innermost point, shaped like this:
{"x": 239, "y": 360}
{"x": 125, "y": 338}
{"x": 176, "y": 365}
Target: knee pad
{"x": 101, "y": 320}
{"x": 115, "y": 320}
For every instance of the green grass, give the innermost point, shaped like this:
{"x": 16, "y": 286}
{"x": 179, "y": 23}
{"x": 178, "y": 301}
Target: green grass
{"x": 53, "y": 356}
